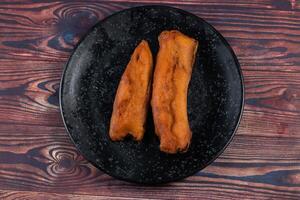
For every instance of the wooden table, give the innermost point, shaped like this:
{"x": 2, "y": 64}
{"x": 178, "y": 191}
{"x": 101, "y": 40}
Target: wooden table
{"x": 37, "y": 158}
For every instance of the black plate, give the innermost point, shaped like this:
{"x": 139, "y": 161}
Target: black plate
{"x": 91, "y": 77}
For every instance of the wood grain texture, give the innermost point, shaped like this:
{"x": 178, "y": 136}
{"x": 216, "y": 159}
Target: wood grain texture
{"x": 26, "y": 195}
{"x": 37, "y": 159}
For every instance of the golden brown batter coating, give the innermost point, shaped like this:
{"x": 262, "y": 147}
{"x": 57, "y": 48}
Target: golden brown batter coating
{"x": 131, "y": 101}
{"x": 172, "y": 74}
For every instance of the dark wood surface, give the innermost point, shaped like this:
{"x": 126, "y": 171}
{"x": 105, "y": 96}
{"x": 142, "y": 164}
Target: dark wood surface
{"x": 38, "y": 160}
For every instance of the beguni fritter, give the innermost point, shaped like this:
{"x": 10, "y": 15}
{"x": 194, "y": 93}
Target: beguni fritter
{"x": 132, "y": 98}
{"x": 172, "y": 74}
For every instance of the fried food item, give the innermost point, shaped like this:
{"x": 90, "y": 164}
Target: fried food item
{"x": 172, "y": 74}
{"x": 132, "y": 98}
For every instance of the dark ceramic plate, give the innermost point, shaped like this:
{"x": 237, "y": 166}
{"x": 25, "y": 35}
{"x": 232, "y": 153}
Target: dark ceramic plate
{"x": 91, "y": 77}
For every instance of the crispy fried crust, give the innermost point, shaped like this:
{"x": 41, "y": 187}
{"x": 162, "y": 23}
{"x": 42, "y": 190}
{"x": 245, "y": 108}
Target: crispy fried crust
{"x": 131, "y": 101}
{"x": 172, "y": 74}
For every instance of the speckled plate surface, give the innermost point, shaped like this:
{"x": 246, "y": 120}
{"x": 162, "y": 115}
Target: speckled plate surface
{"x": 91, "y": 77}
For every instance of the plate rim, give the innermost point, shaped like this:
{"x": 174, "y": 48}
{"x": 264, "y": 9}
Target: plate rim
{"x": 241, "y": 110}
